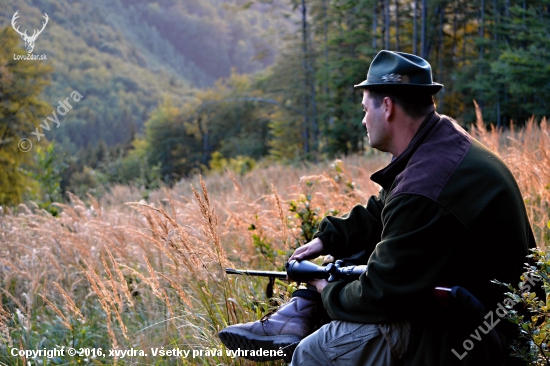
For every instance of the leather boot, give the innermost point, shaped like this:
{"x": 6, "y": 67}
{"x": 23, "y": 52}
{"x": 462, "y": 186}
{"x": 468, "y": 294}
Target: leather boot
{"x": 278, "y": 333}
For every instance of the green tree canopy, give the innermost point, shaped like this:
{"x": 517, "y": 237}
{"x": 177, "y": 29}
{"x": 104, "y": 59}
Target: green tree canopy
{"x": 21, "y": 111}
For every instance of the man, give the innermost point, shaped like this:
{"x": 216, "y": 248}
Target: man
{"x": 449, "y": 214}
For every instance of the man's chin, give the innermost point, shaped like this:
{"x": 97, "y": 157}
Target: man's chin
{"x": 376, "y": 146}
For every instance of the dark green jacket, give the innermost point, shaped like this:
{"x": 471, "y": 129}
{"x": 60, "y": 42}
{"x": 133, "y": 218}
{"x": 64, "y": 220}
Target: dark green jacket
{"x": 450, "y": 213}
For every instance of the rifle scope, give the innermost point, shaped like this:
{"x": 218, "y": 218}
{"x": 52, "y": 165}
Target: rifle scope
{"x": 304, "y": 271}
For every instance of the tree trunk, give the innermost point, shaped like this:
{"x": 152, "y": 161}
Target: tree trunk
{"x": 313, "y": 96}
{"x": 325, "y": 46}
{"x": 464, "y": 32}
{"x": 481, "y": 28}
{"x": 495, "y": 39}
{"x": 415, "y": 28}
{"x": 374, "y": 24}
{"x": 311, "y": 128}
{"x": 387, "y": 24}
{"x": 305, "y": 132}
{"x": 495, "y": 21}
{"x": 397, "y": 43}
{"x": 455, "y": 27}
{"x": 423, "y": 43}
{"x": 326, "y": 66}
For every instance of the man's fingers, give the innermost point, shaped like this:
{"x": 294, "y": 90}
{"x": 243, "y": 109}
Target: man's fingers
{"x": 319, "y": 284}
{"x": 310, "y": 250}
{"x": 298, "y": 253}
{"x": 305, "y": 255}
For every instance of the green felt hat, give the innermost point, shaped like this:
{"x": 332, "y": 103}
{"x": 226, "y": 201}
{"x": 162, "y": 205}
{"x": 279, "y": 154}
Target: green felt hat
{"x": 398, "y": 71}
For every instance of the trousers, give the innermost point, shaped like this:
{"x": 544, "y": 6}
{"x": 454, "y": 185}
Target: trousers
{"x": 341, "y": 343}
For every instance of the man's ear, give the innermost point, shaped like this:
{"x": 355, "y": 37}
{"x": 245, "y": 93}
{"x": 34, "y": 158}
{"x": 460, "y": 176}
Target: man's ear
{"x": 389, "y": 108}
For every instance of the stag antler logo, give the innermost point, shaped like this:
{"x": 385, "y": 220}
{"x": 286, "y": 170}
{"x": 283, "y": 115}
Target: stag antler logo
{"x": 29, "y": 41}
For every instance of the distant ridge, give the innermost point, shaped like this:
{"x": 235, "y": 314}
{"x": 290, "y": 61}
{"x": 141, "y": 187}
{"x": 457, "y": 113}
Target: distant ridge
{"x": 124, "y": 56}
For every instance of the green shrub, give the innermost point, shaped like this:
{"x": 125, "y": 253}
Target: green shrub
{"x": 534, "y": 328}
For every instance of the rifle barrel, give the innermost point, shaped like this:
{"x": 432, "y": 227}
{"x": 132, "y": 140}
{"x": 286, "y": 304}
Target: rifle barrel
{"x": 281, "y": 275}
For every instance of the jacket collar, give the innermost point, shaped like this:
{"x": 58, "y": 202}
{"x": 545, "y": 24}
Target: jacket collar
{"x": 386, "y": 176}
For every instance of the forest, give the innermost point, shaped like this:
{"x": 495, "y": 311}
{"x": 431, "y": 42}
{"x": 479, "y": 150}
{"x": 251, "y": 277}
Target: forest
{"x": 159, "y": 142}
{"x": 124, "y": 58}
{"x": 173, "y": 88}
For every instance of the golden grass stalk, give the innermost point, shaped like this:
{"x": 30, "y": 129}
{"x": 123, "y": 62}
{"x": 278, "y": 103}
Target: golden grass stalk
{"x": 64, "y": 319}
{"x": 107, "y": 302}
{"x": 153, "y": 279}
{"x": 117, "y": 299}
{"x": 121, "y": 279}
{"x": 180, "y": 291}
{"x": 286, "y": 241}
{"x": 70, "y": 302}
{"x": 210, "y": 221}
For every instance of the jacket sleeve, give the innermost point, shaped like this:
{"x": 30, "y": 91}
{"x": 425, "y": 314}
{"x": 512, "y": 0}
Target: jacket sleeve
{"x": 357, "y": 231}
{"x": 404, "y": 266}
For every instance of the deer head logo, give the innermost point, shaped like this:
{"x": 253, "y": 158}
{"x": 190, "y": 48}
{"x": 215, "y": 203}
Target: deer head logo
{"x": 29, "y": 41}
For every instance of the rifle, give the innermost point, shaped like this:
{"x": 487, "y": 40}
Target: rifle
{"x": 303, "y": 271}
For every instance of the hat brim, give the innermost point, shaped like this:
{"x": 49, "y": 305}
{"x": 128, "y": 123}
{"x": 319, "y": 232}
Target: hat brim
{"x": 431, "y": 89}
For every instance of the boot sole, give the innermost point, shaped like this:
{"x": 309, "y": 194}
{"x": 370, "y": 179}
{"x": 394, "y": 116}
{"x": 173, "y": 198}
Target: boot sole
{"x": 243, "y": 342}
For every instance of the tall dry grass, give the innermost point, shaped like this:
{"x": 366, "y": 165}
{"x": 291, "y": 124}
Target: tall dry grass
{"x": 527, "y": 153}
{"x": 123, "y": 273}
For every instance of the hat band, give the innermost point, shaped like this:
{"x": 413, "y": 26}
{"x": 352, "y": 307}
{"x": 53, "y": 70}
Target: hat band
{"x": 389, "y": 78}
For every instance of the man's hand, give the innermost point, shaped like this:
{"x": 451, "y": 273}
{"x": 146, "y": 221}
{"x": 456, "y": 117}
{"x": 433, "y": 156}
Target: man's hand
{"x": 319, "y": 284}
{"x": 308, "y": 251}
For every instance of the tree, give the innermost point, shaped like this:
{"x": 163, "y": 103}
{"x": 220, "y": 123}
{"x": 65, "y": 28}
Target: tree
{"x": 509, "y": 77}
{"x": 51, "y": 164}
{"x": 522, "y": 64}
{"x": 21, "y": 111}
{"x": 169, "y": 143}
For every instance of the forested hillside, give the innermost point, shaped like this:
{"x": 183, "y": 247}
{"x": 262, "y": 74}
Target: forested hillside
{"x": 125, "y": 56}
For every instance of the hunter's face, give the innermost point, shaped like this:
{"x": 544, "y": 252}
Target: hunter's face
{"x": 374, "y": 122}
